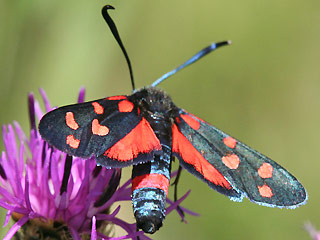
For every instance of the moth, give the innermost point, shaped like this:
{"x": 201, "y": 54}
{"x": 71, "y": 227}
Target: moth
{"x": 147, "y": 130}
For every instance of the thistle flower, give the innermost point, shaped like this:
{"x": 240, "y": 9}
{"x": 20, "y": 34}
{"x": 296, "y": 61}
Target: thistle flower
{"x": 51, "y": 195}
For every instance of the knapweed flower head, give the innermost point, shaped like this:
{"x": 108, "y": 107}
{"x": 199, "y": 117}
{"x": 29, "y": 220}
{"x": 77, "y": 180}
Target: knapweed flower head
{"x": 51, "y": 195}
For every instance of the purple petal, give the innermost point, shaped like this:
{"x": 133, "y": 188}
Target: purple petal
{"x": 85, "y": 183}
{"x": 66, "y": 174}
{"x": 2, "y": 173}
{"x": 45, "y": 100}
{"x": 126, "y": 184}
{"x": 20, "y": 159}
{"x": 110, "y": 190}
{"x": 16, "y": 227}
{"x": 93, "y": 230}
{"x": 10, "y": 144}
{"x": 132, "y": 235}
{"x": 108, "y": 217}
{"x": 185, "y": 210}
{"x": 37, "y": 157}
{"x": 312, "y": 231}
{"x": 81, "y": 95}
{"x": 13, "y": 208}
{"x": 74, "y": 233}
{"x": 174, "y": 173}
{"x": 45, "y": 179}
{"x": 124, "y": 192}
{"x": 7, "y": 219}
{"x": 38, "y": 110}
{"x": 115, "y": 212}
{"x": 129, "y": 228}
{"x": 6, "y": 166}
{"x": 33, "y": 143}
{"x": 26, "y": 193}
{"x": 9, "y": 161}
{"x": 54, "y": 170}
{"x": 61, "y": 201}
{"x": 32, "y": 116}
{"x": 8, "y": 197}
{"x": 22, "y": 137}
{"x": 176, "y": 203}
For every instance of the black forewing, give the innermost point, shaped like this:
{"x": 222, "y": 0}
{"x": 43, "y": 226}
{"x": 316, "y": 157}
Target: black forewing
{"x": 54, "y": 130}
{"x": 286, "y": 191}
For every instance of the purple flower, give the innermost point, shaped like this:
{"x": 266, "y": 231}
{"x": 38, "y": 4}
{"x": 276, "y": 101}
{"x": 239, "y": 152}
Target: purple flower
{"x": 312, "y": 231}
{"x": 49, "y": 193}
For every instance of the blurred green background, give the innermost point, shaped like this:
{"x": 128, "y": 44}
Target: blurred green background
{"x": 263, "y": 89}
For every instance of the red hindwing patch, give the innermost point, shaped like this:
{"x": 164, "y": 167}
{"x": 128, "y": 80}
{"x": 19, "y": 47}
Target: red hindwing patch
{"x": 152, "y": 180}
{"x": 141, "y": 139}
{"x": 190, "y": 155}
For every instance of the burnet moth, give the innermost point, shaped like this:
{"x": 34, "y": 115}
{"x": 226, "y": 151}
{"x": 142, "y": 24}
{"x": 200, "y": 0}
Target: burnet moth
{"x": 147, "y": 130}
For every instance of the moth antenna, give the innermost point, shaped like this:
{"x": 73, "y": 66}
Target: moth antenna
{"x": 193, "y": 59}
{"x": 116, "y": 35}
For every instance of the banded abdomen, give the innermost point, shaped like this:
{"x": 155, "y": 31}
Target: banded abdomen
{"x": 150, "y": 182}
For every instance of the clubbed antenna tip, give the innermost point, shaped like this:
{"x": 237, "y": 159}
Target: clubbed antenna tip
{"x": 116, "y": 35}
{"x": 193, "y": 59}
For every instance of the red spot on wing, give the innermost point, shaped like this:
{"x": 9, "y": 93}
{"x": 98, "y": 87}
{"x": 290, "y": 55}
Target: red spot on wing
{"x": 125, "y": 106}
{"x": 98, "y": 129}
{"x": 98, "y": 109}
{"x": 265, "y": 171}
{"x": 196, "y": 117}
{"x": 232, "y": 161}
{"x": 70, "y": 121}
{"x": 230, "y": 142}
{"x": 265, "y": 191}
{"x": 190, "y": 155}
{"x": 141, "y": 139}
{"x": 195, "y": 124}
{"x": 72, "y": 142}
{"x": 116, "y": 98}
{"x": 152, "y": 180}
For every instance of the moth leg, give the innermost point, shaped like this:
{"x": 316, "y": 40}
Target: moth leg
{"x": 175, "y": 183}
